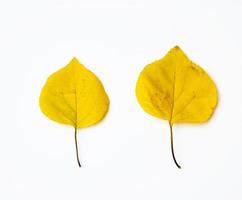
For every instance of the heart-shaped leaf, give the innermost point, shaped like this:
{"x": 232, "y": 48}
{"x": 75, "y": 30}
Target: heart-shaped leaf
{"x": 177, "y": 90}
{"x": 74, "y": 96}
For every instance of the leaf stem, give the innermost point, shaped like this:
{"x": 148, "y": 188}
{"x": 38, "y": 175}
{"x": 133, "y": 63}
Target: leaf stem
{"x": 172, "y": 148}
{"x": 77, "y": 155}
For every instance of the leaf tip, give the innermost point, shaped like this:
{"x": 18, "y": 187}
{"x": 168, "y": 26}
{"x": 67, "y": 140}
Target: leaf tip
{"x": 178, "y": 50}
{"x": 176, "y": 47}
{"x": 74, "y": 59}
{"x": 74, "y": 62}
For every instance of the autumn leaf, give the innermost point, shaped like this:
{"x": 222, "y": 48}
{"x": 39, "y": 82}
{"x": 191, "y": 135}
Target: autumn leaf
{"x": 74, "y": 96}
{"x": 177, "y": 90}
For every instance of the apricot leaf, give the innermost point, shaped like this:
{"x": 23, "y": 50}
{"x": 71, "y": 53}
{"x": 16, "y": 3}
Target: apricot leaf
{"x": 177, "y": 90}
{"x": 74, "y": 96}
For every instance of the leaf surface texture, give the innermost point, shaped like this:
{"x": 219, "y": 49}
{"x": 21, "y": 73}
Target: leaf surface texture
{"x": 74, "y": 96}
{"x": 176, "y": 89}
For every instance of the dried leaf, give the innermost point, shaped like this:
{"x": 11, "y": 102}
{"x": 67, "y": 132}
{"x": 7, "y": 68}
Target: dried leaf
{"x": 74, "y": 96}
{"x": 177, "y": 90}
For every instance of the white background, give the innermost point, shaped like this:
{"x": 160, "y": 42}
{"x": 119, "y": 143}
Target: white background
{"x": 127, "y": 156}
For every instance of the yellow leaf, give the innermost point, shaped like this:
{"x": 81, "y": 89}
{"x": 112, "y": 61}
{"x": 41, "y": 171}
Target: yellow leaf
{"x": 74, "y": 96}
{"x": 175, "y": 89}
